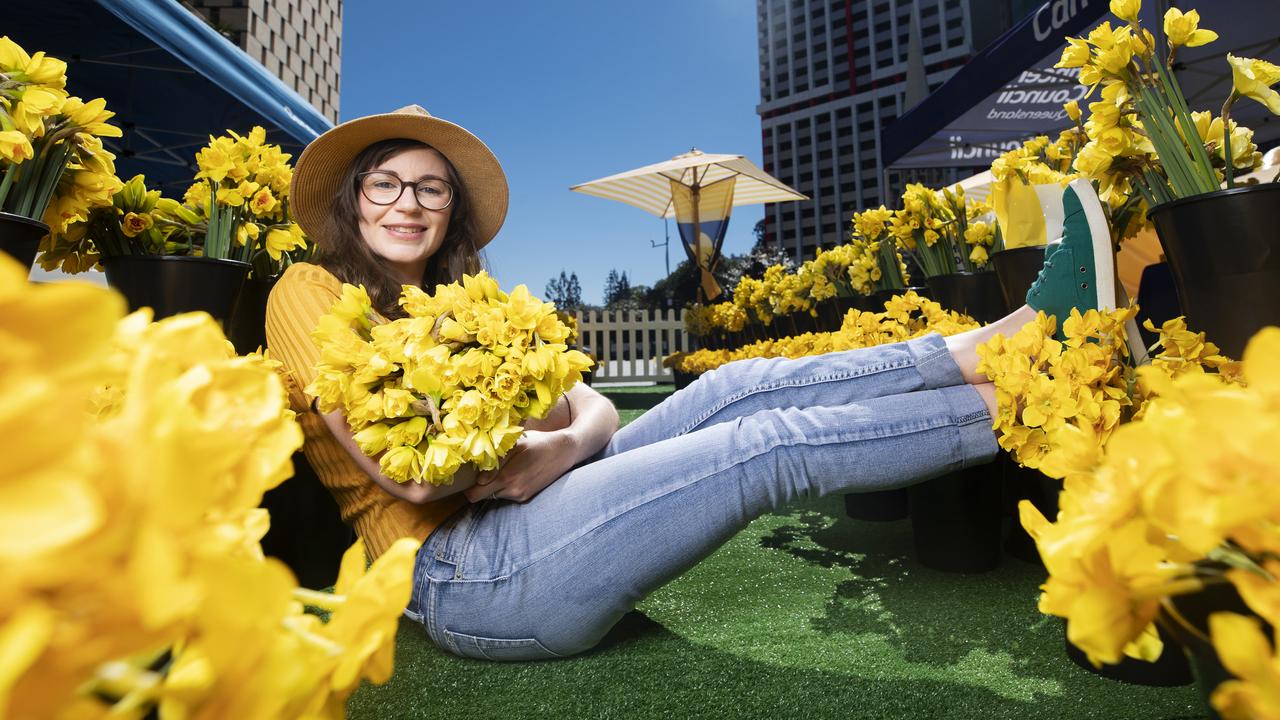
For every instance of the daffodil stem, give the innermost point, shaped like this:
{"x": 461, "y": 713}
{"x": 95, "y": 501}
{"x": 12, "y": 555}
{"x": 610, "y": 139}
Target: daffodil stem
{"x": 322, "y": 600}
{"x": 7, "y": 183}
{"x": 317, "y": 641}
{"x": 1168, "y": 146}
{"x": 1179, "y": 104}
{"x": 1226, "y": 138}
{"x": 51, "y": 176}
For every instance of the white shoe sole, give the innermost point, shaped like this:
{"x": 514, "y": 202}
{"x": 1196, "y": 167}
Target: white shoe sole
{"x": 1104, "y": 263}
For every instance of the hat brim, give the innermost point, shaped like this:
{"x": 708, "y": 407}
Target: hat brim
{"x": 325, "y": 160}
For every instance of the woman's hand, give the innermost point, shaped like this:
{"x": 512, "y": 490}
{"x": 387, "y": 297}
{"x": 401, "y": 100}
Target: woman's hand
{"x": 537, "y": 460}
{"x": 581, "y": 423}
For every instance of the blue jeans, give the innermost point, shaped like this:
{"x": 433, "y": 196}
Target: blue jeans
{"x": 548, "y": 578}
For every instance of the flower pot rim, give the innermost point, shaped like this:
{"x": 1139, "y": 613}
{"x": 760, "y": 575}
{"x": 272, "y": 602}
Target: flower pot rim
{"x": 176, "y": 258}
{"x": 1260, "y": 187}
{"x": 13, "y": 217}
{"x": 1039, "y": 248}
{"x": 963, "y": 272}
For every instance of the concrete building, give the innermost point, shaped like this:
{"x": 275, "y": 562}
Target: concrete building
{"x": 299, "y": 41}
{"x": 833, "y": 73}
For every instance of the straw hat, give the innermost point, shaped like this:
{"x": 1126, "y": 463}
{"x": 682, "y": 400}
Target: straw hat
{"x": 324, "y": 162}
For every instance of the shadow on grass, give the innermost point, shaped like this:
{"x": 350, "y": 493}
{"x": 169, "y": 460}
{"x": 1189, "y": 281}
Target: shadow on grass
{"x": 942, "y": 620}
{"x": 644, "y": 670}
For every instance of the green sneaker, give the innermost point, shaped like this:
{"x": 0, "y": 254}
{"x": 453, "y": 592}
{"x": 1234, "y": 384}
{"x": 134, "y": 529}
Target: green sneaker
{"x": 1078, "y": 272}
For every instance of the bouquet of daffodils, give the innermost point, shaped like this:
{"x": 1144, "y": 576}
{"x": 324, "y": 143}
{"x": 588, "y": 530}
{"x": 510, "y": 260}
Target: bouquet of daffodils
{"x": 239, "y": 203}
{"x": 877, "y": 263}
{"x": 1143, "y": 132}
{"x": 449, "y": 384}
{"x": 53, "y": 166}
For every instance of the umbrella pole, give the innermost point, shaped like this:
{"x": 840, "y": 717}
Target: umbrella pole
{"x": 697, "y": 237}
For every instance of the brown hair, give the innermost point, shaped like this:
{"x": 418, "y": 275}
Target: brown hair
{"x": 343, "y": 252}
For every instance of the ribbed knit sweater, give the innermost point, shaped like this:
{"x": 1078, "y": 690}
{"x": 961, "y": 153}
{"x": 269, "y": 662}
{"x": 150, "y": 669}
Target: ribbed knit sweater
{"x": 302, "y": 295}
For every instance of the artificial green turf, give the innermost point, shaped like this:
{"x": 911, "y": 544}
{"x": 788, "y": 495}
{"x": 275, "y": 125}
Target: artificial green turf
{"x": 804, "y": 614}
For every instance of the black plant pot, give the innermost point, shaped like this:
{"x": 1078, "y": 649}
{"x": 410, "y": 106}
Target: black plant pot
{"x": 878, "y": 298}
{"x": 977, "y": 294}
{"x": 1224, "y": 250}
{"x": 20, "y": 237}
{"x": 1157, "y": 299}
{"x": 307, "y": 532}
{"x": 683, "y": 378}
{"x": 956, "y": 520}
{"x": 831, "y": 311}
{"x": 1168, "y": 670}
{"x": 804, "y": 322}
{"x": 1016, "y": 269}
{"x": 1186, "y": 618}
{"x": 879, "y": 506}
{"x": 1020, "y": 484}
{"x": 176, "y": 284}
{"x": 247, "y": 328}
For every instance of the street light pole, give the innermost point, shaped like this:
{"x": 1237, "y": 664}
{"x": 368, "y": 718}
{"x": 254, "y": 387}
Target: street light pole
{"x": 665, "y": 244}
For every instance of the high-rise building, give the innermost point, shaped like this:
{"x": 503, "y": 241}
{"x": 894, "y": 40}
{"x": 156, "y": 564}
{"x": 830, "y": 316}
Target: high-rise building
{"x": 833, "y": 73}
{"x": 299, "y": 41}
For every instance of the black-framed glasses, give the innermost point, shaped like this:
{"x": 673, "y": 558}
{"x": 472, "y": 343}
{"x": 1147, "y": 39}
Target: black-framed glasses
{"x": 384, "y": 188}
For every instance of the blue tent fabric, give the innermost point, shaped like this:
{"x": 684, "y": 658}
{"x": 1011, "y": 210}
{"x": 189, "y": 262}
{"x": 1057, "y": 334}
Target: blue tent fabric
{"x": 171, "y": 79}
{"x": 1010, "y": 91}
{"x": 190, "y": 39}
{"x": 1022, "y": 47}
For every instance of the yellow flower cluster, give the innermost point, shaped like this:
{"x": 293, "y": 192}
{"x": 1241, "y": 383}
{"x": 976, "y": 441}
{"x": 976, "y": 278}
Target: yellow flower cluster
{"x": 1182, "y": 498}
{"x": 247, "y": 179}
{"x": 702, "y": 320}
{"x": 450, "y": 383}
{"x": 829, "y": 273}
{"x": 137, "y": 458}
{"x": 52, "y": 160}
{"x": 1059, "y": 402}
{"x": 791, "y": 293}
{"x": 243, "y": 172}
{"x": 697, "y": 320}
{"x": 754, "y": 296}
{"x": 906, "y": 316}
{"x": 134, "y": 220}
{"x": 1141, "y": 132}
{"x": 875, "y": 261}
{"x": 933, "y": 225}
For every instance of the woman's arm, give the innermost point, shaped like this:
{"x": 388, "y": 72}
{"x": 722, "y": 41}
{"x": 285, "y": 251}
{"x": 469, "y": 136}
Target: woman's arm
{"x": 414, "y": 492}
{"x": 542, "y": 455}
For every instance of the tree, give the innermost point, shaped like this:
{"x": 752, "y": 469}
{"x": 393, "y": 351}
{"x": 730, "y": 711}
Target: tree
{"x": 565, "y": 291}
{"x": 617, "y": 289}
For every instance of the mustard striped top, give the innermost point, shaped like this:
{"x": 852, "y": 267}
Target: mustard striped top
{"x": 302, "y": 295}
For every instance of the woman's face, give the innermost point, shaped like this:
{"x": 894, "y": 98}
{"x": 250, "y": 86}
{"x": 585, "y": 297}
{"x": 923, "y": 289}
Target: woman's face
{"x": 404, "y": 233}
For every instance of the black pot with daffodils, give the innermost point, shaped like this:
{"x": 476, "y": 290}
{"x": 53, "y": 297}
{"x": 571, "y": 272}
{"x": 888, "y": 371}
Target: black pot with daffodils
{"x": 1222, "y": 240}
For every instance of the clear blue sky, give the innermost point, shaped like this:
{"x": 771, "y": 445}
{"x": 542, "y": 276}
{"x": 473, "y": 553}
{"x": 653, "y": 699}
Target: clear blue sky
{"x": 566, "y": 92}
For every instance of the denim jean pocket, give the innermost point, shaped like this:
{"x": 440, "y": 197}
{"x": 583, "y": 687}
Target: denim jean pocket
{"x": 483, "y": 648}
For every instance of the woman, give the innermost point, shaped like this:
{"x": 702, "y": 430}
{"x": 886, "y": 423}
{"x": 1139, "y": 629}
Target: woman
{"x": 539, "y": 558}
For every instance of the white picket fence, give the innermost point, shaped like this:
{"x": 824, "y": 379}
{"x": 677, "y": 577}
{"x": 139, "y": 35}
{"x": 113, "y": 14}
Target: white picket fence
{"x": 629, "y": 344}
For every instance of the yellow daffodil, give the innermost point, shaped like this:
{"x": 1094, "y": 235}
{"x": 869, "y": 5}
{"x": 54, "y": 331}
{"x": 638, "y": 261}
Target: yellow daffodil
{"x": 1245, "y": 652}
{"x": 15, "y": 146}
{"x": 1126, "y": 10}
{"x": 1254, "y": 79}
{"x": 1184, "y": 29}
{"x": 91, "y": 117}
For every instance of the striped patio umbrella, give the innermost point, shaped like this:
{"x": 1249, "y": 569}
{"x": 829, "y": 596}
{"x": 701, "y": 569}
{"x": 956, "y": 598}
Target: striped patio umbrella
{"x": 699, "y": 191}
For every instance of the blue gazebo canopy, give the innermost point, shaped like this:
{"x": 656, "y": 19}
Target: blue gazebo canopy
{"x": 1010, "y": 91}
{"x": 171, "y": 79}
